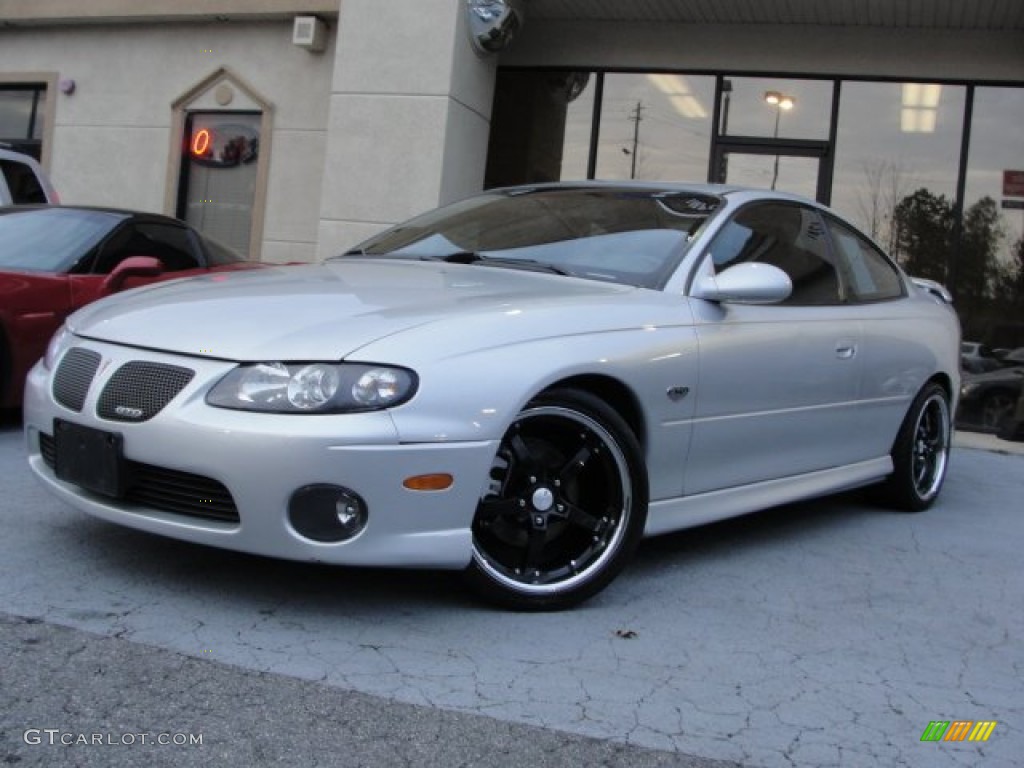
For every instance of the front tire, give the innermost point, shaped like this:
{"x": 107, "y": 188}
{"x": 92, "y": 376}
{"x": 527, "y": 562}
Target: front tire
{"x": 566, "y": 506}
{"x": 920, "y": 454}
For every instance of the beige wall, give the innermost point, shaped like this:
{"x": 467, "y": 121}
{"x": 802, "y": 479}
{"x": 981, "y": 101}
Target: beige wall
{"x": 112, "y": 139}
{"x": 409, "y": 116}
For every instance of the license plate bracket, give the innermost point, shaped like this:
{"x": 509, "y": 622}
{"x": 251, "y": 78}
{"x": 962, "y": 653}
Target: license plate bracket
{"x": 90, "y": 458}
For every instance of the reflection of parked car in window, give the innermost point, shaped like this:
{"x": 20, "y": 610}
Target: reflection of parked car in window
{"x": 989, "y": 399}
{"x": 54, "y": 260}
{"x": 977, "y": 358}
{"x": 22, "y": 180}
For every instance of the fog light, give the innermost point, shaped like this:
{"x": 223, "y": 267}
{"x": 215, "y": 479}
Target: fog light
{"x": 327, "y": 513}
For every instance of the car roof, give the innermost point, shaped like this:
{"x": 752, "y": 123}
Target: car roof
{"x": 123, "y": 213}
{"x": 699, "y": 188}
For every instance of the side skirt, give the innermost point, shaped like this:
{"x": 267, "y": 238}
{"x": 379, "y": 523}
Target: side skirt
{"x": 689, "y": 511}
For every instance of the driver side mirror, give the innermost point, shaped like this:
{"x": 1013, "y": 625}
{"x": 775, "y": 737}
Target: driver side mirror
{"x": 748, "y": 283}
{"x": 133, "y": 266}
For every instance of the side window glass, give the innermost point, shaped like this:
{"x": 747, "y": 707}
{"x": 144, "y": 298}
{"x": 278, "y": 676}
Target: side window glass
{"x": 870, "y": 276}
{"x": 168, "y": 243}
{"x": 22, "y": 183}
{"x": 789, "y": 237}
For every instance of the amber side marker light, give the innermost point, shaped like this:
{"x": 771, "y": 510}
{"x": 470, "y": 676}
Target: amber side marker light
{"x": 436, "y": 482}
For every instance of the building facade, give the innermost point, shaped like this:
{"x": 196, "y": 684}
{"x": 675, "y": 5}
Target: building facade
{"x": 293, "y": 141}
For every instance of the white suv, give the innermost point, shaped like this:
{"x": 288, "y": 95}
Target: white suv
{"x": 22, "y": 180}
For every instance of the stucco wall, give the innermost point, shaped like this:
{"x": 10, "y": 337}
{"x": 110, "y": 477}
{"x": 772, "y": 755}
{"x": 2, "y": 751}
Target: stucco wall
{"x": 112, "y": 136}
{"x": 410, "y": 116}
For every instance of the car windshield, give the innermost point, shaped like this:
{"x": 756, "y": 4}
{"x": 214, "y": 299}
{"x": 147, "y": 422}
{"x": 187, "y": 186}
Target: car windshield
{"x": 50, "y": 239}
{"x": 627, "y": 235}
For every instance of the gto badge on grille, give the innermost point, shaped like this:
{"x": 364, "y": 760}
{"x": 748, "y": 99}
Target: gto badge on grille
{"x": 128, "y": 412}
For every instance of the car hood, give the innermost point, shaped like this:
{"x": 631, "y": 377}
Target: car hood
{"x": 323, "y": 311}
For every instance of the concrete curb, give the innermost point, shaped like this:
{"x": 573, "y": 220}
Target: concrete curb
{"x": 980, "y": 441}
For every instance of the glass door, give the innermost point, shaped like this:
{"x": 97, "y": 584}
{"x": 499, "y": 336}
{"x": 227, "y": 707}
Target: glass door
{"x": 772, "y": 168}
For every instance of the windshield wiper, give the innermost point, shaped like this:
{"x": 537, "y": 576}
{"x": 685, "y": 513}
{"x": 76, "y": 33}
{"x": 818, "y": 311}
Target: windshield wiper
{"x": 466, "y": 257}
{"x": 472, "y": 257}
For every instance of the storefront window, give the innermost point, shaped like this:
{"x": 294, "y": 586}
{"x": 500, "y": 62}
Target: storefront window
{"x": 540, "y": 127}
{"x": 988, "y": 275}
{"x": 772, "y": 107}
{"x": 219, "y": 172}
{"x": 655, "y": 126}
{"x": 896, "y": 168}
{"x": 22, "y": 117}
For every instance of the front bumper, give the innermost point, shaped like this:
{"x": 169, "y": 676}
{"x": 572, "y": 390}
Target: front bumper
{"x": 262, "y": 459}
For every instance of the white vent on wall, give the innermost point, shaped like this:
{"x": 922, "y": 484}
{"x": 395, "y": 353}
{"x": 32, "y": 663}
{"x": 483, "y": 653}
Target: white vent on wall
{"x": 310, "y": 33}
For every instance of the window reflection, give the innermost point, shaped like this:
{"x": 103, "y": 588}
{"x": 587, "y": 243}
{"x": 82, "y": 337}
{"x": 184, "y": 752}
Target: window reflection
{"x": 219, "y": 171}
{"x": 22, "y": 117}
{"x": 655, "y": 126}
{"x": 895, "y": 174}
{"x": 989, "y": 273}
{"x": 540, "y": 127}
{"x": 751, "y": 114}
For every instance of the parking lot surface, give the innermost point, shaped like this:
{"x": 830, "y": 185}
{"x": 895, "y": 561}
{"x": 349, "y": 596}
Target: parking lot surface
{"x": 829, "y": 633}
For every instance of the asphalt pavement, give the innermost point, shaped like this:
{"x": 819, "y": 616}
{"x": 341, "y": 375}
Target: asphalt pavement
{"x": 829, "y": 633}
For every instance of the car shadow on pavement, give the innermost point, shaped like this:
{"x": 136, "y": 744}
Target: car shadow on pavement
{"x": 212, "y": 573}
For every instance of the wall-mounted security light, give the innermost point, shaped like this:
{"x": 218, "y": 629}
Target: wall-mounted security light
{"x": 493, "y": 23}
{"x": 310, "y": 33}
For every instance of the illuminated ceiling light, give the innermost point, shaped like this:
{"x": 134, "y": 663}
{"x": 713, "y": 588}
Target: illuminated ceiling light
{"x": 918, "y": 120}
{"x": 920, "y": 107}
{"x": 925, "y": 95}
{"x": 772, "y": 97}
{"x": 679, "y": 95}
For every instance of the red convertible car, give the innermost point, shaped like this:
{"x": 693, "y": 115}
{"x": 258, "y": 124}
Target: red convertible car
{"x": 55, "y": 259}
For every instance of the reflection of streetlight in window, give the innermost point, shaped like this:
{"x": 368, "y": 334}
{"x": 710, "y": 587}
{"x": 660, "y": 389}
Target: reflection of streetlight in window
{"x": 781, "y": 103}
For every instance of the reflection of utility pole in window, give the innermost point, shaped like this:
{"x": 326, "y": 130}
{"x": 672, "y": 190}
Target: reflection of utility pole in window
{"x": 636, "y": 116}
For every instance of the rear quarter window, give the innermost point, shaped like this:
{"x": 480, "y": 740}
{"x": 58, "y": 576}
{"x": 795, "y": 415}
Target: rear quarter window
{"x": 869, "y": 275}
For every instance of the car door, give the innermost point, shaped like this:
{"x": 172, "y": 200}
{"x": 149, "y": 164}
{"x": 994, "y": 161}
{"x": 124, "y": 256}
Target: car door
{"x": 172, "y": 244}
{"x": 895, "y": 357}
{"x": 778, "y": 383}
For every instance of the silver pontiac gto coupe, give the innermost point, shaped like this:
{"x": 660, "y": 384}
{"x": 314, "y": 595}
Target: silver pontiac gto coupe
{"x": 521, "y": 385}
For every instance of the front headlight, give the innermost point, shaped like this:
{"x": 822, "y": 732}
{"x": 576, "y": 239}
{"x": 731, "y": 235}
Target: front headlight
{"x": 313, "y": 388}
{"x": 61, "y": 340}
{"x": 968, "y": 390}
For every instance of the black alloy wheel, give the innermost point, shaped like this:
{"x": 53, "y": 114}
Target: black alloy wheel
{"x": 920, "y": 454}
{"x": 565, "y": 508}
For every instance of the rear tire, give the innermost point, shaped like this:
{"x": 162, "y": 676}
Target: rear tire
{"x": 920, "y": 454}
{"x": 566, "y": 506}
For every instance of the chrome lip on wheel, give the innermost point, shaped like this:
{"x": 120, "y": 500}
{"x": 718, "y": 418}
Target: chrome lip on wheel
{"x": 558, "y": 505}
{"x": 930, "y": 447}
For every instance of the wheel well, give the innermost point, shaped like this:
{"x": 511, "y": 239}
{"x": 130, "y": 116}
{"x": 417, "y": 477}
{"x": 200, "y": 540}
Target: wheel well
{"x": 943, "y": 381}
{"x": 616, "y": 394}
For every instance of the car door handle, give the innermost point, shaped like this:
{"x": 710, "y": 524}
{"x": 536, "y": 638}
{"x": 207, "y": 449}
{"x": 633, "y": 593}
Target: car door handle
{"x": 845, "y": 350}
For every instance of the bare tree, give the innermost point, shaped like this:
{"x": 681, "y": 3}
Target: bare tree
{"x": 885, "y": 186}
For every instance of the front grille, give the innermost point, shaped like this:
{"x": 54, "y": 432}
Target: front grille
{"x": 139, "y": 391}
{"x": 169, "y": 490}
{"x": 73, "y": 377}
